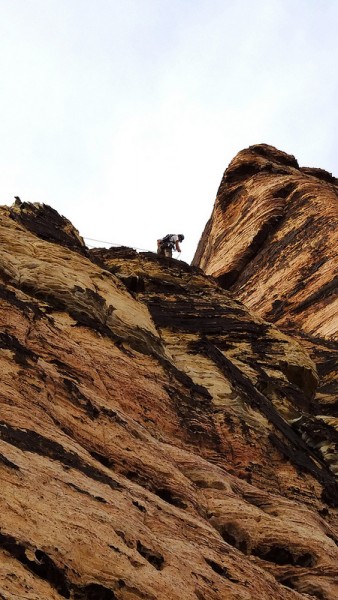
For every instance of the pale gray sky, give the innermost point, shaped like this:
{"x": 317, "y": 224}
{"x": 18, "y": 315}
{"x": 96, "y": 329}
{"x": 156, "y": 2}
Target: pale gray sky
{"x": 123, "y": 114}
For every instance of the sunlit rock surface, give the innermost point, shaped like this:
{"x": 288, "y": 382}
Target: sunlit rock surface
{"x": 273, "y": 240}
{"x": 157, "y": 439}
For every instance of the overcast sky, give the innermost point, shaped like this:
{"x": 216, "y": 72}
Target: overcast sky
{"x": 123, "y": 114}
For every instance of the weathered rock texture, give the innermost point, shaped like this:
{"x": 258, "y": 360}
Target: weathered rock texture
{"x": 156, "y": 437}
{"x": 273, "y": 240}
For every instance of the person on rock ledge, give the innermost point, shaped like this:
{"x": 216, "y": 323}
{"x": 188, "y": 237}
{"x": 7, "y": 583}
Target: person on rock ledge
{"x": 170, "y": 242}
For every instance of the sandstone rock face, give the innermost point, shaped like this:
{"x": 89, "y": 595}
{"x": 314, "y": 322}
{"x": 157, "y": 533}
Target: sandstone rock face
{"x": 273, "y": 240}
{"x": 156, "y": 436}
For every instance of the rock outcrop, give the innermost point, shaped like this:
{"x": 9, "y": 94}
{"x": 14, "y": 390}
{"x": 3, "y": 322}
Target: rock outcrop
{"x": 156, "y": 436}
{"x": 273, "y": 238}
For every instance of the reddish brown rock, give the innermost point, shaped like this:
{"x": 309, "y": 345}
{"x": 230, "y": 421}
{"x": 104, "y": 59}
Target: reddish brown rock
{"x": 273, "y": 238}
{"x": 155, "y": 435}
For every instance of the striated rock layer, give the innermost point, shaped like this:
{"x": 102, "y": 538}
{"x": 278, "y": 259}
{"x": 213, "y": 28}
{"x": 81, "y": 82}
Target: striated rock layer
{"x": 158, "y": 440}
{"x": 273, "y": 240}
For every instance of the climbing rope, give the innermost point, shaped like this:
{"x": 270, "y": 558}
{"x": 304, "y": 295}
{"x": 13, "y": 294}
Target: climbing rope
{"x": 113, "y": 244}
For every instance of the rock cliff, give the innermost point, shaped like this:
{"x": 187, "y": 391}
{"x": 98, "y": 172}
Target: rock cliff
{"x": 158, "y": 439}
{"x": 272, "y": 239}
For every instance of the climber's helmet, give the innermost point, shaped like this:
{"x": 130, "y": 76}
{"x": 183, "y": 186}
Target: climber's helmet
{"x": 180, "y": 237}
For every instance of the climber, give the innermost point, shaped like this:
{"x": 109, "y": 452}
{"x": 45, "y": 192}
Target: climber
{"x": 170, "y": 242}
